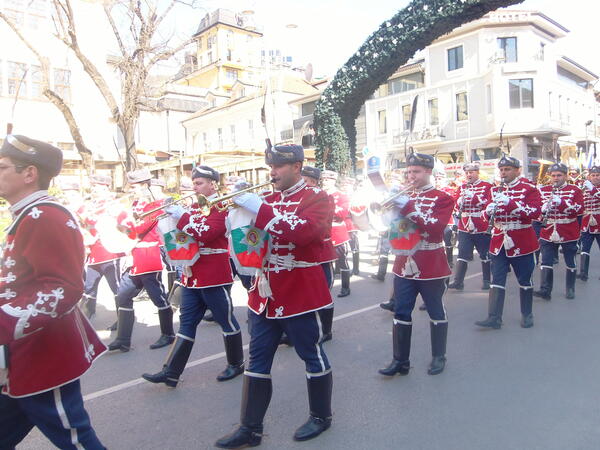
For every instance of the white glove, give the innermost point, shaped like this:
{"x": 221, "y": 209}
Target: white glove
{"x": 588, "y": 185}
{"x": 489, "y": 210}
{"x": 545, "y": 207}
{"x": 249, "y": 201}
{"x": 556, "y": 200}
{"x": 501, "y": 199}
{"x": 175, "y": 211}
{"x": 401, "y": 201}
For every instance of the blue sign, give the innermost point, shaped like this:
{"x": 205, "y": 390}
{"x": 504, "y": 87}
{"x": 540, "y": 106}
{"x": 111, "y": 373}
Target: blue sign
{"x": 373, "y": 164}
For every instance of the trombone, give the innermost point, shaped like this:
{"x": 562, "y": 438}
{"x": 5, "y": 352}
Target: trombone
{"x": 204, "y": 204}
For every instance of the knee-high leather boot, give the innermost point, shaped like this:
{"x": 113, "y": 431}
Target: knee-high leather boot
{"x": 125, "y": 321}
{"x": 319, "y": 400}
{"x": 401, "y": 337}
{"x": 235, "y": 357}
{"x": 167, "y": 334}
{"x": 495, "y": 309}
{"x": 439, "y": 335}
{"x": 175, "y": 364}
{"x": 459, "y": 276}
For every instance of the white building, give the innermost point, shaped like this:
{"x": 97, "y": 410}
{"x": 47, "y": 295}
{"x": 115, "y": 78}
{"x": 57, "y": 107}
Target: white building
{"x": 502, "y": 73}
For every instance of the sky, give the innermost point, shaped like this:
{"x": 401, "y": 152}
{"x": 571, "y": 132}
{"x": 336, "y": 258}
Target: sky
{"x": 329, "y": 31}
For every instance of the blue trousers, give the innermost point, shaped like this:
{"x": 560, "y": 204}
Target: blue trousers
{"x": 468, "y": 241}
{"x": 132, "y": 285}
{"x": 432, "y": 292}
{"x": 522, "y": 266}
{"x": 549, "y": 251}
{"x": 587, "y": 240}
{"x": 111, "y": 270}
{"x": 305, "y": 332}
{"x": 194, "y": 303}
{"x": 58, "y": 413}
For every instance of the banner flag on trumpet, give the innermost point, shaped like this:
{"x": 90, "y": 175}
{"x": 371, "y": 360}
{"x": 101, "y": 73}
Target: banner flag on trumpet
{"x": 404, "y": 236}
{"x": 181, "y": 248}
{"x": 250, "y": 245}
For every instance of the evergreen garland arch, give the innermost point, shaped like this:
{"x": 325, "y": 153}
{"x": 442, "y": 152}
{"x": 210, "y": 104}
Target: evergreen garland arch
{"x": 389, "y": 47}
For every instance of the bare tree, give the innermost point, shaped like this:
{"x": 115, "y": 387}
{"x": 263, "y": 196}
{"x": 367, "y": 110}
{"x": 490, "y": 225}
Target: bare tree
{"x": 135, "y": 25}
{"x": 56, "y": 99}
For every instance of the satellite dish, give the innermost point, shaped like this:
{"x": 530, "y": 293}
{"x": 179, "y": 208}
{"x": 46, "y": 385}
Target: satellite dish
{"x": 308, "y": 72}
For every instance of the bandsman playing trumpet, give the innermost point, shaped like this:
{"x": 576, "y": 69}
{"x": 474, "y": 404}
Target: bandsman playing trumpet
{"x": 515, "y": 203}
{"x": 146, "y": 267}
{"x": 473, "y": 198}
{"x": 590, "y": 226}
{"x": 426, "y": 271}
{"x": 206, "y": 284}
{"x": 562, "y": 204}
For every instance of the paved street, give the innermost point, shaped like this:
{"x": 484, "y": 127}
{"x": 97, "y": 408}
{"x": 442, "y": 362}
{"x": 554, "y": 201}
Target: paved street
{"x": 507, "y": 389}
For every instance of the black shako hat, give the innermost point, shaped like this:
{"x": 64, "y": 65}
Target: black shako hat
{"x": 44, "y": 156}
{"x": 558, "y": 167}
{"x": 205, "y": 172}
{"x": 284, "y": 154}
{"x": 509, "y": 161}
{"x": 313, "y": 172}
{"x": 420, "y": 159}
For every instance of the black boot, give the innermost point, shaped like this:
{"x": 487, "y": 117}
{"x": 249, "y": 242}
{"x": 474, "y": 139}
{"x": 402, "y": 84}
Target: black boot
{"x": 256, "y": 395}
{"x": 125, "y": 321}
{"x": 167, "y": 335}
{"x": 547, "y": 280}
{"x": 235, "y": 357}
{"x": 326, "y": 316}
{"x": 585, "y": 267}
{"x": 382, "y": 269}
{"x": 88, "y": 306}
{"x": 486, "y": 275}
{"x": 526, "y": 298}
{"x": 208, "y": 316}
{"x": 345, "y": 291}
{"x": 571, "y": 277}
{"x": 173, "y": 367}
{"x": 319, "y": 401}
{"x": 459, "y": 276}
{"x": 401, "y": 341}
{"x": 449, "y": 251}
{"x": 355, "y": 263}
{"x": 388, "y": 306}
{"x": 495, "y": 309}
{"x": 439, "y": 335}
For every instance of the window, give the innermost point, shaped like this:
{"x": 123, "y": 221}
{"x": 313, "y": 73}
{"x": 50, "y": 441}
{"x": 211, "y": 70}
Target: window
{"x": 308, "y": 108}
{"x": 36, "y": 82}
{"x": 200, "y": 43}
{"x": 209, "y": 42}
{"x": 210, "y": 57}
{"x": 455, "y": 58}
{"x": 251, "y": 128}
{"x": 508, "y": 47}
{"x": 62, "y": 83}
{"x": 16, "y": 78}
{"x": 406, "y": 82}
{"x": 229, "y": 55}
{"x": 550, "y": 109}
{"x": 232, "y": 132}
{"x": 231, "y": 75}
{"x": 462, "y": 108}
{"x": 382, "y": 122}
{"x": 488, "y": 98}
{"x": 432, "y": 106}
{"x": 205, "y": 141}
{"x": 521, "y": 93}
{"x": 220, "y": 138}
{"x": 406, "y": 117}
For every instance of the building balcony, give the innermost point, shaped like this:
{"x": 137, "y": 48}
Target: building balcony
{"x": 424, "y": 135}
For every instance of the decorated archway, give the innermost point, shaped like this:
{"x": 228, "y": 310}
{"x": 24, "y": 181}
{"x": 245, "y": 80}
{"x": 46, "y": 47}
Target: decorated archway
{"x": 389, "y": 47}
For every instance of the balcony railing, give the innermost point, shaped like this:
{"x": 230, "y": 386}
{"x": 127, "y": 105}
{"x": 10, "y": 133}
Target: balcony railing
{"x": 425, "y": 134}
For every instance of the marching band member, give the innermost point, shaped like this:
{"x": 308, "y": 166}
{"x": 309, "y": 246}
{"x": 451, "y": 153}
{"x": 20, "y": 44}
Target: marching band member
{"x": 41, "y": 326}
{"x": 425, "y": 272}
{"x": 206, "y": 286}
{"x": 562, "y": 204}
{"x": 348, "y": 189}
{"x": 473, "y": 197}
{"x": 339, "y": 231}
{"x": 441, "y": 183}
{"x": 146, "y": 270}
{"x": 100, "y": 262}
{"x": 590, "y": 226}
{"x": 311, "y": 176}
{"x": 287, "y": 296}
{"x": 515, "y": 203}
{"x": 575, "y": 177}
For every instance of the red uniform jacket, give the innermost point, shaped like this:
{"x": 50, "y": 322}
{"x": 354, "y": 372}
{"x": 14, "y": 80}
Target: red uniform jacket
{"x": 513, "y": 229}
{"x": 50, "y": 341}
{"x": 430, "y": 209}
{"x": 146, "y": 253}
{"x": 473, "y": 198}
{"x": 341, "y": 210}
{"x": 328, "y": 254}
{"x": 297, "y": 220}
{"x": 212, "y": 268}
{"x": 591, "y": 218}
{"x": 453, "y": 193}
{"x": 97, "y": 253}
{"x": 562, "y": 219}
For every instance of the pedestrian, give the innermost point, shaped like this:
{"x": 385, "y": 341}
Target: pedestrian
{"x": 46, "y": 343}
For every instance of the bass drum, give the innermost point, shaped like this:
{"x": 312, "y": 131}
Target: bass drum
{"x": 111, "y": 238}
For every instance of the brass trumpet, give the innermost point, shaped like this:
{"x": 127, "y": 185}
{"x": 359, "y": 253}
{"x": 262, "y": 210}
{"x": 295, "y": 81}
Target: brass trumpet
{"x": 388, "y": 203}
{"x": 204, "y": 203}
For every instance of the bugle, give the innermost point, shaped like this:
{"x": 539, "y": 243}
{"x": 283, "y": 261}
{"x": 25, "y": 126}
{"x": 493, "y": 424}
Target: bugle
{"x": 381, "y": 207}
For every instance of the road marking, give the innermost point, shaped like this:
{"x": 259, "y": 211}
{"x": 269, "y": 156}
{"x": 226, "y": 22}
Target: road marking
{"x": 132, "y": 383}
